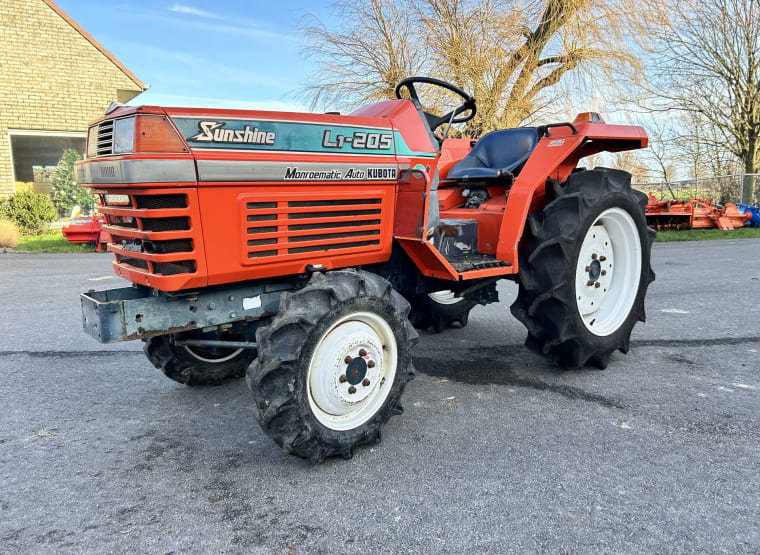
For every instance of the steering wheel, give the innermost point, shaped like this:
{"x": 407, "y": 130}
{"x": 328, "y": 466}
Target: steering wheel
{"x": 451, "y": 117}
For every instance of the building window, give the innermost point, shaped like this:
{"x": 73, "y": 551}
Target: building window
{"x": 35, "y": 155}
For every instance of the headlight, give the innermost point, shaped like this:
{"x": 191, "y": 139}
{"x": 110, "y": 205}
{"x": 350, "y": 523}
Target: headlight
{"x": 124, "y": 135}
{"x": 92, "y": 142}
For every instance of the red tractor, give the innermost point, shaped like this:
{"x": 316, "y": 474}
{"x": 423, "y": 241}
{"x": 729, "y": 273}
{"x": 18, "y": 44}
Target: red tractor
{"x": 299, "y": 249}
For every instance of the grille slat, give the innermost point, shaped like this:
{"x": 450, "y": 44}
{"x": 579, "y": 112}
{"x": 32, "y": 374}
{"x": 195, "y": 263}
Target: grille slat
{"x": 104, "y": 146}
{"x": 323, "y": 237}
{"x": 331, "y": 225}
{"x": 312, "y": 215}
{"x": 333, "y": 247}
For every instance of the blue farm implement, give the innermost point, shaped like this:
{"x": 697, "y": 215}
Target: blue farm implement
{"x": 754, "y": 210}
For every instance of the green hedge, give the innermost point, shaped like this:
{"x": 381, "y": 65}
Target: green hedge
{"x": 30, "y": 211}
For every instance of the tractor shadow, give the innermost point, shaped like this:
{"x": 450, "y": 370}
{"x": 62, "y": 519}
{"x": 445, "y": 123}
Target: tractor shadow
{"x": 508, "y": 365}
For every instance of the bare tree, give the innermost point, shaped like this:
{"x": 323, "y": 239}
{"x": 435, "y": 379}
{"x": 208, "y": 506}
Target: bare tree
{"x": 511, "y": 54}
{"x": 631, "y": 161}
{"x": 372, "y": 47}
{"x": 709, "y": 66}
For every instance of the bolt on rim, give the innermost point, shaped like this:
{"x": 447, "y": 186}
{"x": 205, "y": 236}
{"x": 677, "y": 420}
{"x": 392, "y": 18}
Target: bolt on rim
{"x": 608, "y": 272}
{"x": 352, "y": 371}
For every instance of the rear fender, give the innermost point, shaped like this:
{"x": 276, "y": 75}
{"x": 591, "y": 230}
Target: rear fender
{"x": 555, "y": 157}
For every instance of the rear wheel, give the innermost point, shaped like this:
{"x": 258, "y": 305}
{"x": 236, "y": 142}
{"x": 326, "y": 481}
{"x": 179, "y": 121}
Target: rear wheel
{"x": 332, "y": 364}
{"x": 440, "y": 309}
{"x": 192, "y": 365}
{"x": 585, "y": 269}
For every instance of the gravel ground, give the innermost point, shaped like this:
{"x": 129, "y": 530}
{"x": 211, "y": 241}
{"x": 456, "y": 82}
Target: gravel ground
{"x": 497, "y": 450}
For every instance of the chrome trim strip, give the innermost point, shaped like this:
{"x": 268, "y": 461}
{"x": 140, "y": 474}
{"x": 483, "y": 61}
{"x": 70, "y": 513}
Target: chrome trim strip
{"x": 258, "y": 171}
{"x": 135, "y": 171}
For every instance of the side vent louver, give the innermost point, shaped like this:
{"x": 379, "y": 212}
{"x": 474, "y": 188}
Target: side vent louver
{"x": 290, "y": 227}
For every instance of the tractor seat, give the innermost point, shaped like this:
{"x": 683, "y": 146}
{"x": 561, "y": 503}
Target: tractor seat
{"x": 498, "y": 154}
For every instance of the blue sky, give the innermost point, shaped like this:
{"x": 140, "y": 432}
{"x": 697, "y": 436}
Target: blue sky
{"x": 227, "y": 54}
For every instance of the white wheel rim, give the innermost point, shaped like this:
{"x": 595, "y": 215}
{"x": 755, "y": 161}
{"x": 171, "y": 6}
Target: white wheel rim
{"x": 345, "y": 405}
{"x": 445, "y": 297}
{"x": 608, "y": 272}
{"x": 200, "y": 357}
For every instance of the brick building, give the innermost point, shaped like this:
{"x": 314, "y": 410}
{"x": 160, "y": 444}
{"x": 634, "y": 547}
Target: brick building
{"x": 54, "y": 79}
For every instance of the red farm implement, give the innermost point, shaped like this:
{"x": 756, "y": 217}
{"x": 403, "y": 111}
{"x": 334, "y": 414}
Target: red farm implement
{"x": 694, "y": 213}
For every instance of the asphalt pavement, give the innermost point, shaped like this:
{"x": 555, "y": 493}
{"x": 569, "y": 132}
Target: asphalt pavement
{"x": 497, "y": 450}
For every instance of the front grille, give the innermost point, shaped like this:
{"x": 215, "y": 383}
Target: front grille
{"x": 174, "y": 268}
{"x": 152, "y": 202}
{"x": 180, "y": 223}
{"x": 152, "y": 231}
{"x": 165, "y": 247}
{"x": 290, "y": 226}
{"x": 135, "y": 262}
{"x": 105, "y": 138}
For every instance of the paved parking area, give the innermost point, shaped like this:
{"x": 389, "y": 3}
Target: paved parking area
{"x": 497, "y": 449}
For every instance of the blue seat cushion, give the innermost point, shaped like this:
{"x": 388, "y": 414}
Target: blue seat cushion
{"x": 498, "y": 154}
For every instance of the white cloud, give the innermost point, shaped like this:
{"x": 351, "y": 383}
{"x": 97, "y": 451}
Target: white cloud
{"x": 180, "y": 8}
{"x": 196, "y": 68}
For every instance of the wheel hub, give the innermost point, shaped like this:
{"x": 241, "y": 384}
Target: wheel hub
{"x": 356, "y": 370}
{"x": 595, "y": 271}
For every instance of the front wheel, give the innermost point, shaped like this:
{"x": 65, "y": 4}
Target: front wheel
{"x": 584, "y": 269}
{"x": 332, "y": 364}
{"x": 193, "y": 365}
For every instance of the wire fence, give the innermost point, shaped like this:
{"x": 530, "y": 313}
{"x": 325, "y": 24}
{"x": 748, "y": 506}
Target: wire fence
{"x": 743, "y": 187}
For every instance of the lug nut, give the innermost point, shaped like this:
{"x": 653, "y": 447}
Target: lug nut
{"x": 604, "y": 272}
{"x": 588, "y": 268}
{"x": 593, "y": 256}
{"x": 365, "y": 382}
{"x": 352, "y": 390}
{"x": 597, "y": 285}
{"x": 371, "y": 364}
{"x": 589, "y": 283}
{"x": 362, "y": 352}
{"x": 602, "y": 258}
{"x": 348, "y": 359}
{"x": 342, "y": 378}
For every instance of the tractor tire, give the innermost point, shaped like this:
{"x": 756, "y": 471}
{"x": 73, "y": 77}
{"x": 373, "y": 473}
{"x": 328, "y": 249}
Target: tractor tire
{"x": 440, "y": 310}
{"x": 195, "y": 365}
{"x": 332, "y": 364}
{"x": 578, "y": 307}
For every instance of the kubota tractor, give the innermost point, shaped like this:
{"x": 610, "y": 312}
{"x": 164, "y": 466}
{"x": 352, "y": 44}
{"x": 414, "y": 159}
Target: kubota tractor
{"x": 294, "y": 248}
